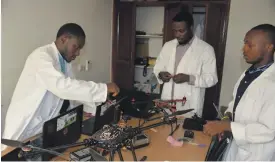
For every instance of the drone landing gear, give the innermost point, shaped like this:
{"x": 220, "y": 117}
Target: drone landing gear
{"x": 118, "y": 150}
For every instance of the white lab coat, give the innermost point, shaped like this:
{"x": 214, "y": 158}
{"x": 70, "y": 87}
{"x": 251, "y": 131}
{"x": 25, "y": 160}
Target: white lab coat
{"x": 40, "y": 91}
{"x": 254, "y": 126}
{"x": 199, "y": 61}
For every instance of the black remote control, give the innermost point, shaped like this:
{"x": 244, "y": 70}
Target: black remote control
{"x": 189, "y": 134}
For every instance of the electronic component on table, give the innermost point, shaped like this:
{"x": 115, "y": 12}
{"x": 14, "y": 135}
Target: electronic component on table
{"x": 194, "y": 123}
{"x": 140, "y": 140}
{"x": 81, "y": 155}
{"x": 187, "y": 137}
{"x": 189, "y": 134}
{"x": 143, "y": 158}
{"x": 100, "y": 151}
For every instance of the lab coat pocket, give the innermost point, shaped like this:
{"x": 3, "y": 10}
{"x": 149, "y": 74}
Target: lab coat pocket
{"x": 244, "y": 110}
{"x": 243, "y": 154}
{"x": 194, "y": 67}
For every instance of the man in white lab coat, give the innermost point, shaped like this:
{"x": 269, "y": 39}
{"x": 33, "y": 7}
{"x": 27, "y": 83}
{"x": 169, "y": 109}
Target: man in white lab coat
{"x": 46, "y": 81}
{"x": 252, "y": 110}
{"x": 186, "y": 66}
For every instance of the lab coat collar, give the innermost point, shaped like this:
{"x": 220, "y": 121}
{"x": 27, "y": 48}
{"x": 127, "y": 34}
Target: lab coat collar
{"x": 56, "y": 53}
{"x": 193, "y": 41}
{"x": 55, "y": 50}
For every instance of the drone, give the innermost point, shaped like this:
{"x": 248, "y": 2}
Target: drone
{"x": 170, "y": 104}
{"x": 111, "y": 138}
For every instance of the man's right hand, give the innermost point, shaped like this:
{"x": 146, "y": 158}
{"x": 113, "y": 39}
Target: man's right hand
{"x": 165, "y": 76}
{"x": 113, "y": 89}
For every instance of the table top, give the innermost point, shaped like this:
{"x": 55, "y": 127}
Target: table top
{"x": 159, "y": 149}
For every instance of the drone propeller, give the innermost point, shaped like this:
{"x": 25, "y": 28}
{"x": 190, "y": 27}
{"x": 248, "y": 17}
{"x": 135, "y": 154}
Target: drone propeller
{"x": 37, "y": 150}
{"x": 12, "y": 143}
{"x": 27, "y": 148}
{"x": 181, "y": 112}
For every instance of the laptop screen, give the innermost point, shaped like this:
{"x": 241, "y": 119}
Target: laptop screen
{"x": 63, "y": 129}
{"x": 106, "y": 113}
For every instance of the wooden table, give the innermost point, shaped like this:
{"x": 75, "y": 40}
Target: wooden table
{"x": 159, "y": 149}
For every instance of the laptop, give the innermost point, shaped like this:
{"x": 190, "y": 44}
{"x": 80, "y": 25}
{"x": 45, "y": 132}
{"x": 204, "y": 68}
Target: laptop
{"x": 106, "y": 114}
{"x": 61, "y": 130}
{"x": 218, "y": 146}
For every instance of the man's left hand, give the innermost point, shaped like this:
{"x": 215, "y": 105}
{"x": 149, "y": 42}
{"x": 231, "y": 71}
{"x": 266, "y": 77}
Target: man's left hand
{"x": 87, "y": 115}
{"x": 215, "y": 127}
{"x": 181, "y": 78}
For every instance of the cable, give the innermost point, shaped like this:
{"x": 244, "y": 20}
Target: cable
{"x": 48, "y": 151}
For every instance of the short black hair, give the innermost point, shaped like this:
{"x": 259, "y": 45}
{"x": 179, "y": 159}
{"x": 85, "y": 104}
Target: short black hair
{"x": 184, "y": 16}
{"x": 269, "y": 29}
{"x": 71, "y": 28}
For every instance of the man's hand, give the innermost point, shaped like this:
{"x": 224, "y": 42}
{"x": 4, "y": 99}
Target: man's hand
{"x": 87, "y": 115}
{"x": 113, "y": 88}
{"x": 181, "y": 78}
{"x": 165, "y": 76}
{"x": 212, "y": 128}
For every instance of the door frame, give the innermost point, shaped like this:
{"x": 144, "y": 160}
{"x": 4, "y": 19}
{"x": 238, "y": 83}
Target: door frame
{"x": 223, "y": 36}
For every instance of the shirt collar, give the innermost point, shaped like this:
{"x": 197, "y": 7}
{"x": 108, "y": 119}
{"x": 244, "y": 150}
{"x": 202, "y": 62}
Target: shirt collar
{"x": 55, "y": 49}
{"x": 253, "y": 69}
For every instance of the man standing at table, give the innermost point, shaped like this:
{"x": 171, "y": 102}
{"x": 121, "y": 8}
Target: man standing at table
{"x": 186, "y": 66}
{"x": 252, "y": 110}
{"x": 47, "y": 83}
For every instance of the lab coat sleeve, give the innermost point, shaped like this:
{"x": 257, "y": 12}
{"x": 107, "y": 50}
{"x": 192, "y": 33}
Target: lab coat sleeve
{"x": 88, "y": 107}
{"x": 261, "y": 131}
{"x": 161, "y": 63}
{"x": 66, "y": 87}
{"x": 208, "y": 76}
{"x": 73, "y": 103}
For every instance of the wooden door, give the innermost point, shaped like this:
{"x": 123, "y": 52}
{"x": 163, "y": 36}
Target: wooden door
{"x": 215, "y": 35}
{"x": 170, "y": 12}
{"x": 123, "y": 53}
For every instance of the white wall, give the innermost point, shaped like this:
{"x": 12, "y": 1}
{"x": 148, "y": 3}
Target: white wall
{"x": 28, "y": 24}
{"x": 244, "y": 14}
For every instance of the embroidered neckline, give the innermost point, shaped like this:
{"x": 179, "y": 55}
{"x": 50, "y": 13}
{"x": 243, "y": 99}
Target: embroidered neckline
{"x": 262, "y": 68}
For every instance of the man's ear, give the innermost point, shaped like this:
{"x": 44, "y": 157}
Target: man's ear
{"x": 64, "y": 38}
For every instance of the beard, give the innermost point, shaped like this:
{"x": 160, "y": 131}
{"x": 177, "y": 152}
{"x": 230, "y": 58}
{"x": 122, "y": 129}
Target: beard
{"x": 64, "y": 54}
{"x": 256, "y": 61}
{"x": 186, "y": 40}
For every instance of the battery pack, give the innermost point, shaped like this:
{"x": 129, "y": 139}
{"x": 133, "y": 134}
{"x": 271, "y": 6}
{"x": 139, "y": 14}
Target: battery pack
{"x": 83, "y": 154}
